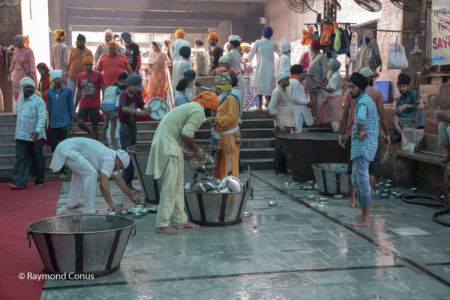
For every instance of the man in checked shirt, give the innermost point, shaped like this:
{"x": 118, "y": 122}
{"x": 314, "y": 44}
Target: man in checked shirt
{"x": 364, "y": 144}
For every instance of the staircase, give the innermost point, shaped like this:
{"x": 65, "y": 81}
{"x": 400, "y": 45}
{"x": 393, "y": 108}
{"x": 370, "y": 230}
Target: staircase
{"x": 257, "y": 141}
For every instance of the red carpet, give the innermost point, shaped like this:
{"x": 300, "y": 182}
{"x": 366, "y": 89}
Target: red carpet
{"x": 19, "y": 208}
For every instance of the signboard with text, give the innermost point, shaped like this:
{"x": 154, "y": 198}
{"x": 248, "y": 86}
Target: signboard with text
{"x": 440, "y": 18}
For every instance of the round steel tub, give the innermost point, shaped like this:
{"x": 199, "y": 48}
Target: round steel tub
{"x": 81, "y": 244}
{"x": 332, "y": 179}
{"x": 304, "y": 149}
{"x": 139, "y": 156}
{"x": 210, "y": 209}
{"x": 152, "y": 187}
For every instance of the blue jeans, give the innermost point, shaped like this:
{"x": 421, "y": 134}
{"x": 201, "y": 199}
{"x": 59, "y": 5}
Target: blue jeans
{"x": 361, "y": 181}
{"x": 28, "y": 154}
{"x": 127, "y": 139}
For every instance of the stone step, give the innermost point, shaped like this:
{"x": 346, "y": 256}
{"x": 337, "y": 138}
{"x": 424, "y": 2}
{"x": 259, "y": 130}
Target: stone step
{"x": 256, "y": 153}
{"x": 9, "y": 128}
{"x": 257, "y": 163}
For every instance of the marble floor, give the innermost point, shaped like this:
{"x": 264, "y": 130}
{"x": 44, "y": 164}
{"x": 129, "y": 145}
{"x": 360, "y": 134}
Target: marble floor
{"x": 291, "y": 251}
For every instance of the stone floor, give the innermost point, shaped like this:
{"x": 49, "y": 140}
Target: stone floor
{"x": 292, "y": 251}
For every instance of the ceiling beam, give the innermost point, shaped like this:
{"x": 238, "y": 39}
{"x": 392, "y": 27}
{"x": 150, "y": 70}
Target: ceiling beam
{"x": 211, "y": 6}
{"x": 149, "y": 15}
{"x": 135, "y": 22}
{"x": 138, "y": 29}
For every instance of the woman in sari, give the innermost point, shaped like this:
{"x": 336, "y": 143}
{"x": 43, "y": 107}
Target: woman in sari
{"x": 22, "y": 64}
{"x": 157, "y": 64}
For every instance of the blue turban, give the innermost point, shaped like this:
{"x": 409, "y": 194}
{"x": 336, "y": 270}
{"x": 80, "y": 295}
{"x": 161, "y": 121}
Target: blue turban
{"x": 126, "y": 35}
{"x": 267, "y": 32}
{"x": 190, "y": 74}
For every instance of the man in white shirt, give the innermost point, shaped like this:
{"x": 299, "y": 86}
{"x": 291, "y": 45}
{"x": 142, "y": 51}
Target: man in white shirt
{"x": 300, "y": 103}
{"x": 85, "y": 158}
{"x": 201, "y": 58}
{"x": 30, "y": 136}
{"x": 280, "y": 108}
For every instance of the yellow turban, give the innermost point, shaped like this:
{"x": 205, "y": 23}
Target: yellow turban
{"x": 213, "y": 35}
{"x": 245, "y": 46}
{"x": 180, "y": 33}
{"x": 223, "y": 81}
{"x": 60, "y": 35}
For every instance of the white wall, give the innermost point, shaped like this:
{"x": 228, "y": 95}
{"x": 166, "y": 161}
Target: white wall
{"x": 35, "y": 25}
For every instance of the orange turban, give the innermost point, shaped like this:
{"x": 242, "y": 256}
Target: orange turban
{"x": 180, "y": 33}
{"x": 112, "y": 45}
{"x": 60, "y": 35}
{"x": 88, "y": 59}
{"x": 207, "y": 100}
{"x": 213, "y": 35}
{"x": 27, "y": 41}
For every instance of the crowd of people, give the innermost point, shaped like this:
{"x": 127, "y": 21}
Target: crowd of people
{"x": 81, "y": 86}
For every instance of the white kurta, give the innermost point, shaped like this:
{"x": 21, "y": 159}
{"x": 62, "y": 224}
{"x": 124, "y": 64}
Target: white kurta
{"x": 280, "y": 105}
{"x": 85, "y": 158}
{"x": 265, "y": 67}
{"x": 284, "y": 64}
{"x": 235, "y": 63}
{"x": 201, "y": 61}
{"x": 302, "y": 113}
{"x": 179, "y": 67}
{"x": 175, "y": 48}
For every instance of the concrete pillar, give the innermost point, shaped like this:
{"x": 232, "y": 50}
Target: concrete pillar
{"x": 224, "y": 31}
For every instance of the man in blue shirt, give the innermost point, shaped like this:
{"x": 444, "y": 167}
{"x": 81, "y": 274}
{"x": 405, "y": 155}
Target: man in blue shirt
{"x": 364, "y": 144}
{"x": 60, "y": 110}
{"x": 408, "y": 108}
{"x": 30, "y": 135}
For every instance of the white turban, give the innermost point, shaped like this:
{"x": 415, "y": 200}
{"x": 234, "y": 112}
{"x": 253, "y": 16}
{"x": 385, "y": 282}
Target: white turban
{"x": 367, "y": 72}
{"x": 281, "y": 76}
{"x": 54, "y": 74}
{"x": 285, "y": 47}
{"x": 27, "y": 81}
{"x": 124, "y": 157}
{"x": 232, "y": 38}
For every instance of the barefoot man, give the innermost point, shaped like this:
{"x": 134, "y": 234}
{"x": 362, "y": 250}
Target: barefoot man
{"x": 85, "y": 158}
{"x": 364, "y": 144}
{"x": 166, "y": 160}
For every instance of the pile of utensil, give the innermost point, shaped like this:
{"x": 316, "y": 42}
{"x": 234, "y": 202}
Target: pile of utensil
{"x": 134, "y": 212}
{"x": 213, "y": 185}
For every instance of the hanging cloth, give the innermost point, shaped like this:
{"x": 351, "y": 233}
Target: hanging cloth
{"x": 307, "y": 36}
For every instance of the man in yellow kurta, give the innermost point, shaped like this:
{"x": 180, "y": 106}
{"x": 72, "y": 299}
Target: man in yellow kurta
{"x": 166, "y": 161}
{"x": 226, "y": 128}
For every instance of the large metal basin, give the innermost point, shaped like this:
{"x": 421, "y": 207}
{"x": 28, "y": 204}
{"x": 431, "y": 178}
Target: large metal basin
{"x": 304, "y": 149}
{"x": 152, "y": 188}
{"x": 81, "y": 244}
{"x": 210, "y": 209}
{"x": 139, "y": 156}
{"x": 332, "y": 179}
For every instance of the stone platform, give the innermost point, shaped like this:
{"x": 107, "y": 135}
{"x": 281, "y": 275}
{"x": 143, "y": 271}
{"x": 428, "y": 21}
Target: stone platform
{"x": 292, "y": 251}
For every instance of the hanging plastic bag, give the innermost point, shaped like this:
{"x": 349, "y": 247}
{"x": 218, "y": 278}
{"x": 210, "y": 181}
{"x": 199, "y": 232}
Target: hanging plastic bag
{"x": 327, "y": 32}
{"x": 337, "y": 39}
{"x": 353, "y": 44}
{"x": 345, "y": 42}
{"x": 397, "y": 57}
{"x": 412, "y": 139}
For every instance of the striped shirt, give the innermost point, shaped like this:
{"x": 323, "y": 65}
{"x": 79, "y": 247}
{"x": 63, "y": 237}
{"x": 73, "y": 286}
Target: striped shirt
{"x": 365, "y": 113}
{"x": 31, "y": 118}
{"x": 60, "y": 107}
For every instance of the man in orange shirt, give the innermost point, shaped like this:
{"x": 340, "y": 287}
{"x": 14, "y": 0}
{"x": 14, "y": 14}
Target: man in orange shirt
{"x": 76, "y": 61}
{"x": 113, "y": 64}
